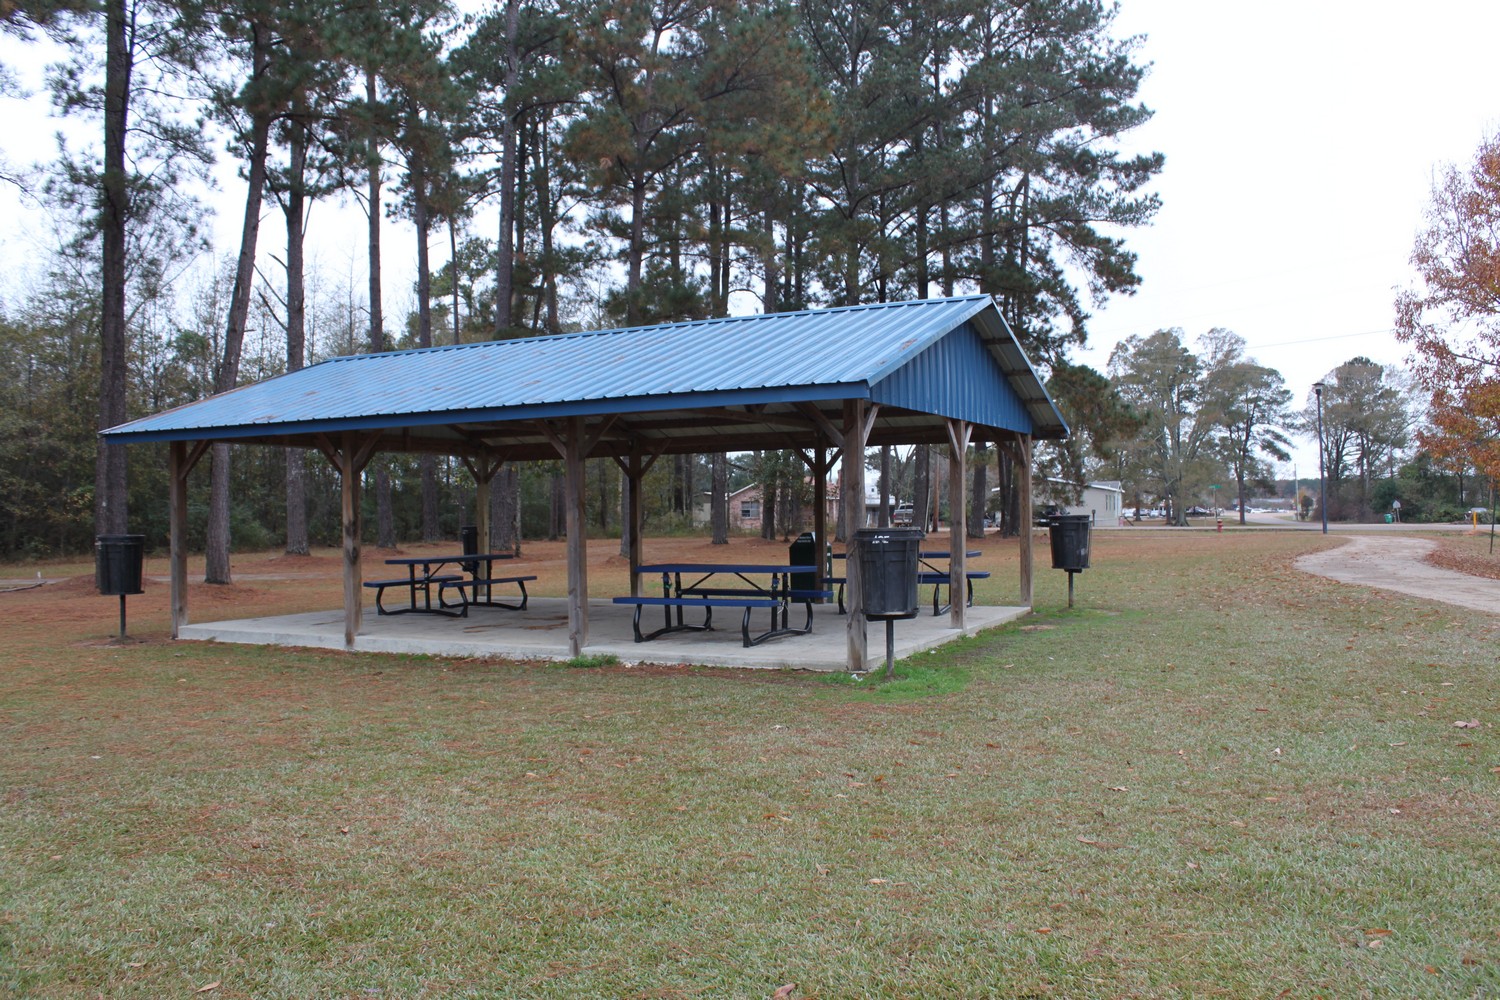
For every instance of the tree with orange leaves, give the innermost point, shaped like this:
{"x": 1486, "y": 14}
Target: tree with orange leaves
{"x": 1453, "y": 321}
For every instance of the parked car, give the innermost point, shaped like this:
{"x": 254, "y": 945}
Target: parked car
{"x": 1041, "y": 515}
{"x": 902, "y": 516}
{"x": 1199, "y": 512}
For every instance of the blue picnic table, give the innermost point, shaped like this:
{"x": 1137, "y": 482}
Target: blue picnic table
{"x": 425, "y": 579}
{"x": 747, "y": 586}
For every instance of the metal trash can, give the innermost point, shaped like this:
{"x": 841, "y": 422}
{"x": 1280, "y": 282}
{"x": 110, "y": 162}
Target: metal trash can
{"x": 888, "y": 570}
{"x": 1069, "y": 534}
{"x": 468, "y": 535}
{"x": 117, "y": 563}
{"x": 804, "y": 552}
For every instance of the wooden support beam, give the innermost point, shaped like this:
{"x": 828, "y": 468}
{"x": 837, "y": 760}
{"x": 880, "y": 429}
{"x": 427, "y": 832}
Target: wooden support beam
{"x": 574, "y": 454}
{"x": 820, "y": 466}
{"x": 483, "y": 468}
{"x": 959, "y": 432}
{"x": 180, "y": 461}
{"x": 1023, "y": 471}
{"x": 856, "y": 430}
{"x": 635, "y": 466}
{"x": 634, "y": 476}
{"x": 349, "y": 472}
{"x": 821, "y": 419}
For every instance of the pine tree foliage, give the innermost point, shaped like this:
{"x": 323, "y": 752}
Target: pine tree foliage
{"x": 648, "y": 159}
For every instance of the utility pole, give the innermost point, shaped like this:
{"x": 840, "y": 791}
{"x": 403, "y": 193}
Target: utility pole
{"x": 1322, "y": 496}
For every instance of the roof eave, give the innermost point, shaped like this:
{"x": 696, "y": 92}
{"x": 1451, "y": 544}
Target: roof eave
{"x": 539, "y": 411}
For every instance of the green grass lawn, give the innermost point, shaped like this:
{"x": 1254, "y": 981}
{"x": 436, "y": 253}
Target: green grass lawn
{"x": 1216, "y": 776}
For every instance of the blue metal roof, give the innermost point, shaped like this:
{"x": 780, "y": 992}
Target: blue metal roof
{"x": 778, "y": 358}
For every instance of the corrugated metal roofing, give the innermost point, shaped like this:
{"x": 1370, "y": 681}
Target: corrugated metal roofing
{"x": 780, "y": 357}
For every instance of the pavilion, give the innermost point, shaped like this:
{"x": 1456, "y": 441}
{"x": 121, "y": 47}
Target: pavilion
{"x": 825, "y": 383}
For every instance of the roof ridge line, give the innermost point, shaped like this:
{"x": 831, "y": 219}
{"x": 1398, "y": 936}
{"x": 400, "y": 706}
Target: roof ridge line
{"x": 712, "y": 320}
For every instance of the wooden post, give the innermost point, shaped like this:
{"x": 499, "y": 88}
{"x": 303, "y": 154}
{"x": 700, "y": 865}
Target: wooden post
{"x": 634, "y": 473}
{"x": 180, "y": 461}
{"x": 635, "y": 466}
{"x": 483, "y": 469}
{"x": 1023, "y": 472}
{"x": 349, "y": 457}
{"x": 578, "y": 564}
{"x": 482, "y": 514}
{"x": 958, "y": 521}
{"x": 852, "y": 486}
{"x": 820, "y": 510}
{"x": 349, "y": 473}
{"x": 177, "y": 531}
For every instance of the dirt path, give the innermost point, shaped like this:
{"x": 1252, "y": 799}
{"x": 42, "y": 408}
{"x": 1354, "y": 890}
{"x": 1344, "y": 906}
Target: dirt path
{"x": 1398, "y": 564}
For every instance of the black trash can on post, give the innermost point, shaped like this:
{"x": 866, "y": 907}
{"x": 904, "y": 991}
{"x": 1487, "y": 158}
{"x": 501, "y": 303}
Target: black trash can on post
{"x": 117, "y": 567}
{"x": 1069, "y": 534}
{"x": 888, "y": 578}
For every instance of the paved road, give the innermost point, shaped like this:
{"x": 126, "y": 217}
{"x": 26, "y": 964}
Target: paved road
{"x": 1393, "y": 562}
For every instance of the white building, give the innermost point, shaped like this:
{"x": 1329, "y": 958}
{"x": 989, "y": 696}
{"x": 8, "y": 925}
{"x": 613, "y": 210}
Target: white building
{"x": 1103, "y": 501}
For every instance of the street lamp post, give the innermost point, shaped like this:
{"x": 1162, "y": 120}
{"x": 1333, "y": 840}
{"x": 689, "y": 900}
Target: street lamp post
{"x": 1322, "y": 495}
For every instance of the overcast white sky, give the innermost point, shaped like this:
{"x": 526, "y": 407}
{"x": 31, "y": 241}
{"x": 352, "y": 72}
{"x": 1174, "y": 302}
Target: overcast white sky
{"x": 1301, "y": 140}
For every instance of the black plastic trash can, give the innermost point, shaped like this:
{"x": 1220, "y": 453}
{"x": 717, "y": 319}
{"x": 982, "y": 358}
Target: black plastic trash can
{"x": 1069, "y": 534}
{"x": 804, "y": 552}
{"x": 888, "y": 570}
{"x": 117, "y": 563}
{"x": 468, "y": 536}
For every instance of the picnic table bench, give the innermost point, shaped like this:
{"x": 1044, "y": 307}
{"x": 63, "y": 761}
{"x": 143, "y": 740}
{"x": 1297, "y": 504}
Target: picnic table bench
{"x": 704, "y": 591}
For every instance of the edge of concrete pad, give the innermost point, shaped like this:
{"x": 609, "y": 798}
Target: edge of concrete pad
{"x": 324, "y": 630}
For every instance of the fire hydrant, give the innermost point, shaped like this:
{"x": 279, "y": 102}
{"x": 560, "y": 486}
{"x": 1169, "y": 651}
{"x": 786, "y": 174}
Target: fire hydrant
{"x": 1219, "y": 524}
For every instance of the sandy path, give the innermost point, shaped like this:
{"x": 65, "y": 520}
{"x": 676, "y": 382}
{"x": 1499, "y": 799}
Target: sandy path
{"x": 1397, "y": 564}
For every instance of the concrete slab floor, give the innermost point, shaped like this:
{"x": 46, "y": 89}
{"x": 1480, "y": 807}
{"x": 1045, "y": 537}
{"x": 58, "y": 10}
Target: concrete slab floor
{"x": 541, "y": 632}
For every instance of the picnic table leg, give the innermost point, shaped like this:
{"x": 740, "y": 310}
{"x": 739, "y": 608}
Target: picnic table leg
{"x": 666, "y": 610}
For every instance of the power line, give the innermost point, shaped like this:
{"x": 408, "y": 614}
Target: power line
{"x": 1318, "y": 340}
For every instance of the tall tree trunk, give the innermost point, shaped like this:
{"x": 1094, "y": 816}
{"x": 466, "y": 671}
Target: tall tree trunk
{"x": 217, "y": 542}
{"x": 110, "y": 484}
{"x": 636, "y": 257}
{"x": 373, "y": 182}
{"x": 453, "y": 272}
{"x": 505, "y": 249}
{"x": 719, "y": 500}
{"x": 980, "y": 493}
{"x": 422, "y": 218}
{"x": 546, "y": 224}
{"x": 385, "y": 517}
{"x": 557, "y": 503}
{"x": 884, "y": 509}
{"x": 601, "y": 469}
{"x": 715, "y": 237}
{"x": 921, "y": 486}
{"x": 296, "y": 333}
{"x": 625, "y": 516}
{"x": 769, "y": 263}
{"x": 505, "y": 511}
